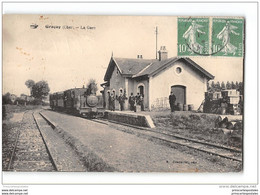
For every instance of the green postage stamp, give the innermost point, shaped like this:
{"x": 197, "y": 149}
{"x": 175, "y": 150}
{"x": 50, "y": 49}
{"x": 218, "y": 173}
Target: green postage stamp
{"x": 211, "y": 37}
{"x": 227, "y": 37}
{"x": 193, "y": 36}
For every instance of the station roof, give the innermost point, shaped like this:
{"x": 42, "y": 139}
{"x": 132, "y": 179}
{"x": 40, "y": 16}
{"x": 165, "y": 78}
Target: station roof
{"x": 134, "y": 68}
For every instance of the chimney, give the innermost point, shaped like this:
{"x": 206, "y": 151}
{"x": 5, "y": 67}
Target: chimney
{"x": 139, "y": 56}
{"x": 163, "y": 53}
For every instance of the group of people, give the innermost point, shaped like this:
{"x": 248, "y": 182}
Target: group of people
{"x": 136, "y": 100}
{"x": 133, "y": 101}
{"x": 112, "y": 98}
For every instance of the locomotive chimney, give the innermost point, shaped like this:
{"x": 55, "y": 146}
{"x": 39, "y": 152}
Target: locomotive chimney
{"x": 163, "y": 53}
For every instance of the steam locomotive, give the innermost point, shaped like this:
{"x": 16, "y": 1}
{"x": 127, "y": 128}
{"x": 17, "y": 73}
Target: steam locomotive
{"x": 77, "y": 101}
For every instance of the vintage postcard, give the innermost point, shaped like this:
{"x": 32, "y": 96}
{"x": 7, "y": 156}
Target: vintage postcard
{"x": 123, "y": 93}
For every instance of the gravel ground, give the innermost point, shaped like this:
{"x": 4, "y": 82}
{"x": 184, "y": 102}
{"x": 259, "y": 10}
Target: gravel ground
{"x": 130, "y": 153}
{"x": 30, "y": 153}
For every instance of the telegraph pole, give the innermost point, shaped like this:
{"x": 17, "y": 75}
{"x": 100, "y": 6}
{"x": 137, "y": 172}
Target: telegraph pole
{"x": 156, "y": 33}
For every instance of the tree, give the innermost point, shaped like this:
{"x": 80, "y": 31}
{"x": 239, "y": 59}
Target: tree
{"x": 212, "y": 86}
{"x": 40, "y": 90}
{"x": 223, "y": 86}
{"x": 217, "y": 86}
{"x": 6, "y": 98}
{"x": 241, "y": 88}
{"x": 237, "y": 85}
{"x": 30, "y": 83}
{"x": 208, "y": 87}
{"x": 228, "y": 85}
{"x": 233, "y": 86}
{"x": 92, "y": 87}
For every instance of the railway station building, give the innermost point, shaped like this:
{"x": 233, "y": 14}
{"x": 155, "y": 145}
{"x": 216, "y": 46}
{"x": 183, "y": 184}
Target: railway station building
{"x": 155, "y": 79}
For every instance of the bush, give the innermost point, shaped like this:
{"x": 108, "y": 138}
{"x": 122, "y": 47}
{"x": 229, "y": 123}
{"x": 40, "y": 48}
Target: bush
{"x": 19, "y": 101}
{"x": 36, "y": 102}
{"x": 45, "y": 103}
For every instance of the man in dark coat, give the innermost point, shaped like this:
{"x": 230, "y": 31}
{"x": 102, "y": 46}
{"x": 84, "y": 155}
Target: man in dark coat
{"x": 113, "y": 99}
{"x": 137, "y": 98}
{"x": 172, "y": 100}
{"x": 121, "y": 99}
{"x": 109, "y": 100}
{"x": 132, "y": 102}
{"x": 141, "y": 101}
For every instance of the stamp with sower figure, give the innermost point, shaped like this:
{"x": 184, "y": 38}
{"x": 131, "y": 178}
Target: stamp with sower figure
{"x": 210, "y": 37}
{"x": 193, "y": 36}
{"x": 227, "y": 37}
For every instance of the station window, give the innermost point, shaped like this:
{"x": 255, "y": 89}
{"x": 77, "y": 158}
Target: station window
{"x": 141, "y": 89}
{"x": 178, "y": 70}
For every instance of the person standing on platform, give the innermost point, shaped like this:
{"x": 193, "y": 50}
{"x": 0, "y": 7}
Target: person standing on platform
{"x": 141, "y": 102}
{"x": 113, "y": 99}
{"x": 109, "y": 100}
{"x": 132, "y": 101}
{"x": 172, "y": 100}
{"x": 137, "y": 98}
{"x": 121, "y": 99}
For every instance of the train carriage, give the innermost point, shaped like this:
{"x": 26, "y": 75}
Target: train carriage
{"x": 77, "y": 101}
{"x": 59, "y": 100}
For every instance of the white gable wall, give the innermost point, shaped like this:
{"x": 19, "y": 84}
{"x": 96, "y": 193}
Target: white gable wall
{"x": 160, "y": 86}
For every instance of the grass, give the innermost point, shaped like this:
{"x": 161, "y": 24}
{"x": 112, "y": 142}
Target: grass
{"x": 199, "y": 126}
{"x": 10, "y": 109}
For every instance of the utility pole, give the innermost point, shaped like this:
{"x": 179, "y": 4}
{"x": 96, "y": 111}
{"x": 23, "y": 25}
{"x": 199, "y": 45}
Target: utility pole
{"x": 156, "y": 33}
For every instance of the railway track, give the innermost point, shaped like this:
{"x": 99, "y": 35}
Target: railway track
{"x": 30, "y": 152}
{"x": 172, "y": 140}
{"x": 39, "y": 148}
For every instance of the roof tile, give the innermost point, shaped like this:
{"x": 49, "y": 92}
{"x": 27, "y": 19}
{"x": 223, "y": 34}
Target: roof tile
{"x": 141, "y": 67}
{"x": 132, "y": 66}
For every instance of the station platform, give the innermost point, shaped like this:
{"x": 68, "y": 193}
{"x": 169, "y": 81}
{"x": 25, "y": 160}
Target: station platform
{"x": 142, "y": 119}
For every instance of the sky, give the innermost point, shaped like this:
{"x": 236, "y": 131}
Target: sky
{"x": 81, "y": 48}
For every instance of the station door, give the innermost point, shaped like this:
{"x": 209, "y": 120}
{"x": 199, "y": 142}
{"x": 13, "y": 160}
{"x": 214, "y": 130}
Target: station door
{"x": 180, "y": 92}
